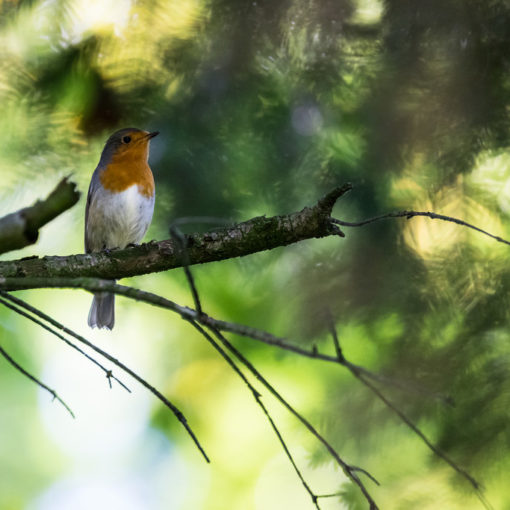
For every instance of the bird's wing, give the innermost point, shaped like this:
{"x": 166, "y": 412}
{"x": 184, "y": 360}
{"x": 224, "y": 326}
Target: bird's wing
{"x": 94, "y": 185}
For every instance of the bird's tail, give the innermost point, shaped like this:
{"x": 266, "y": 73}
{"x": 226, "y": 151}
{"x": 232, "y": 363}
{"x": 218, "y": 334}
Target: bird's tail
{"x": 102, "y": 311}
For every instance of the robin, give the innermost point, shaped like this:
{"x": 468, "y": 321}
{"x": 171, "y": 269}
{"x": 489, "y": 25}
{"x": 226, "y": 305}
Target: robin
{"x": 120, "y": 203}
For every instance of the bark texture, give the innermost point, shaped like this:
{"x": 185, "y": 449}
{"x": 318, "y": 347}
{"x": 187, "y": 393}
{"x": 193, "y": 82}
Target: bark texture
{"x": 242, "y": 239}
{"x": 21, "y": 228}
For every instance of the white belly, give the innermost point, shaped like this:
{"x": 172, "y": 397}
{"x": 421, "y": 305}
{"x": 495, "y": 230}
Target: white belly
{"x": 117, "y": 219}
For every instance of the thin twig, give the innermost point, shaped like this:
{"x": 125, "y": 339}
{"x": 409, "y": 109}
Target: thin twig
{"x": 109, "y": 374}
{"x": 35, "y": 380}
{"x": 416, "y": 430}
{"x": 257, "y": 397}
{"x": 339, "y": 354}
{"x": 190, "y": 319}
{"x": 348, "y": 469}
{"x": 476, "y": 485}
{"x": 275, "y": 341}
{"x": 97, "y": 285}
{"x": 178, "y": 236}
{"x": 406, "y": 420}
{"x": 411, "y": 214}
{"x": 123, "y": 367}
{"x": 335, "y": 494}
{"x": 188, "y": 313}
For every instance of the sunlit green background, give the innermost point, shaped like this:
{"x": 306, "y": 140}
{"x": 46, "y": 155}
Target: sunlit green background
{"x": 263, "y": 107}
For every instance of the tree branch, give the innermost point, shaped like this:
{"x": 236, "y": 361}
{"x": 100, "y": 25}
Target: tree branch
{"x": 178, "y": 414}
{"x": 411, "y": 214}
{"x": 19, "y": 311}
{"x": 252, "y": 236}
{"x": 257, "y": 396}
{"x": 193, "y": 317}
{"x": 21, "y": 228}
{"x": 34, "y": 379}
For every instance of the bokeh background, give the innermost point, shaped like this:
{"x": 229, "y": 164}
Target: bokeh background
{"x": 263, "y": 107}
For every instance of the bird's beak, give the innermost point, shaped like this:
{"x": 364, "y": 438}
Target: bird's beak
{"x": 152, "y": 135}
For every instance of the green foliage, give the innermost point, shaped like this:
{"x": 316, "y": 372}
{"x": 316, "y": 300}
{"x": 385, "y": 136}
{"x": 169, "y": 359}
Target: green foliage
{"x": 263, "y": 107}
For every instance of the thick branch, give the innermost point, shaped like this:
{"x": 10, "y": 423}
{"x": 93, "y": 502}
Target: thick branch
{"x": 251, "y": 236}
{"x": 21, "y": 228}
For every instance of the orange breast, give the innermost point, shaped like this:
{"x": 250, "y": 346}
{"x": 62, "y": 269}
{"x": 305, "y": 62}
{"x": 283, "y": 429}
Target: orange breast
{"x": 125, "y": 170}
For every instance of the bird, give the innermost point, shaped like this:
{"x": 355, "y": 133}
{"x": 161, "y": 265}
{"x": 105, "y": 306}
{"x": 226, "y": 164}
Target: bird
{"x": 120, "y": 205}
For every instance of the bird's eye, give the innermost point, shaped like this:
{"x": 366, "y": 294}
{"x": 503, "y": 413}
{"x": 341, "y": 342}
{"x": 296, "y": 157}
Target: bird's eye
{"x": 126, "y": 139}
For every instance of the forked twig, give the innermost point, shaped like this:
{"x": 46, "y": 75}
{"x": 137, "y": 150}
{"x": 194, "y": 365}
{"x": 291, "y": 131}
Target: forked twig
{"x": 177, "y": 235}
{"x": 198, "y": 319}
{"x": 388, "y": 403}
{"x": 350, "y": 471}
{"x": 188, "y": 313}
{"x": 121, "y": 365}
{"x": 109, "y": 374}
{"x": 257, "y": 397}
